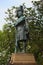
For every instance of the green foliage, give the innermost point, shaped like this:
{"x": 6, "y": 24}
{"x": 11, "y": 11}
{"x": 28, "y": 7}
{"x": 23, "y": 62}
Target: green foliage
{"x": 7, "y": 43}
{"x": 36, "y": 26}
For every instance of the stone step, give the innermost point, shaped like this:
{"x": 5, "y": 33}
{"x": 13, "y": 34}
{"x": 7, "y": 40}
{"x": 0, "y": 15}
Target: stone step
{"x": 22, "y": 59}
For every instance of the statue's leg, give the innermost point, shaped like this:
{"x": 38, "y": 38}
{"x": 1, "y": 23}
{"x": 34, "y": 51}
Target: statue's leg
{"x": 23, "y": 47}
{"x": 25, "y": 44}
{"x": 16, "y": 46}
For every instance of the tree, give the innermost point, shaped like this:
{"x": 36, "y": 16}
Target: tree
{"x": 36, "y": 26}
{"x": 7, "y": 43}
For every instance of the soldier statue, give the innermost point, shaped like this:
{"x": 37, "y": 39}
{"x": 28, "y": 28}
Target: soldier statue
{"x": 22, "y": 31}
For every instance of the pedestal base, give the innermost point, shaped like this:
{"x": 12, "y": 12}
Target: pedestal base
{"x": 22, "y": 59}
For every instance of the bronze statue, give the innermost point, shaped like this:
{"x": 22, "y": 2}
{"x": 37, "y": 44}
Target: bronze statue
{"x": 22, "y": 31}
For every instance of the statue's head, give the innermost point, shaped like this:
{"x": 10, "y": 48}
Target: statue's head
{"x": 19, "y": 11}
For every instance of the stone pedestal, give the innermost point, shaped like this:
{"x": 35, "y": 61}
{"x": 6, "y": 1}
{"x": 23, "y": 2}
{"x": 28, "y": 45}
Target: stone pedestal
{"x": 22, "y": 59}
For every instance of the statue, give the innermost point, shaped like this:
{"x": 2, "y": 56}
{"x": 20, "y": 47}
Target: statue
{"x": 22, "y": 31}
{"x": 22, "y": 36}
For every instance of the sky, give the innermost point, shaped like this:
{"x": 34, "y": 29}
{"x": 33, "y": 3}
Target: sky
{"x": 5, "y": 4}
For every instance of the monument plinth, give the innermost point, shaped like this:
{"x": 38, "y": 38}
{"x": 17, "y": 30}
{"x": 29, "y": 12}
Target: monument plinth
{"x": 22, "y": 59}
